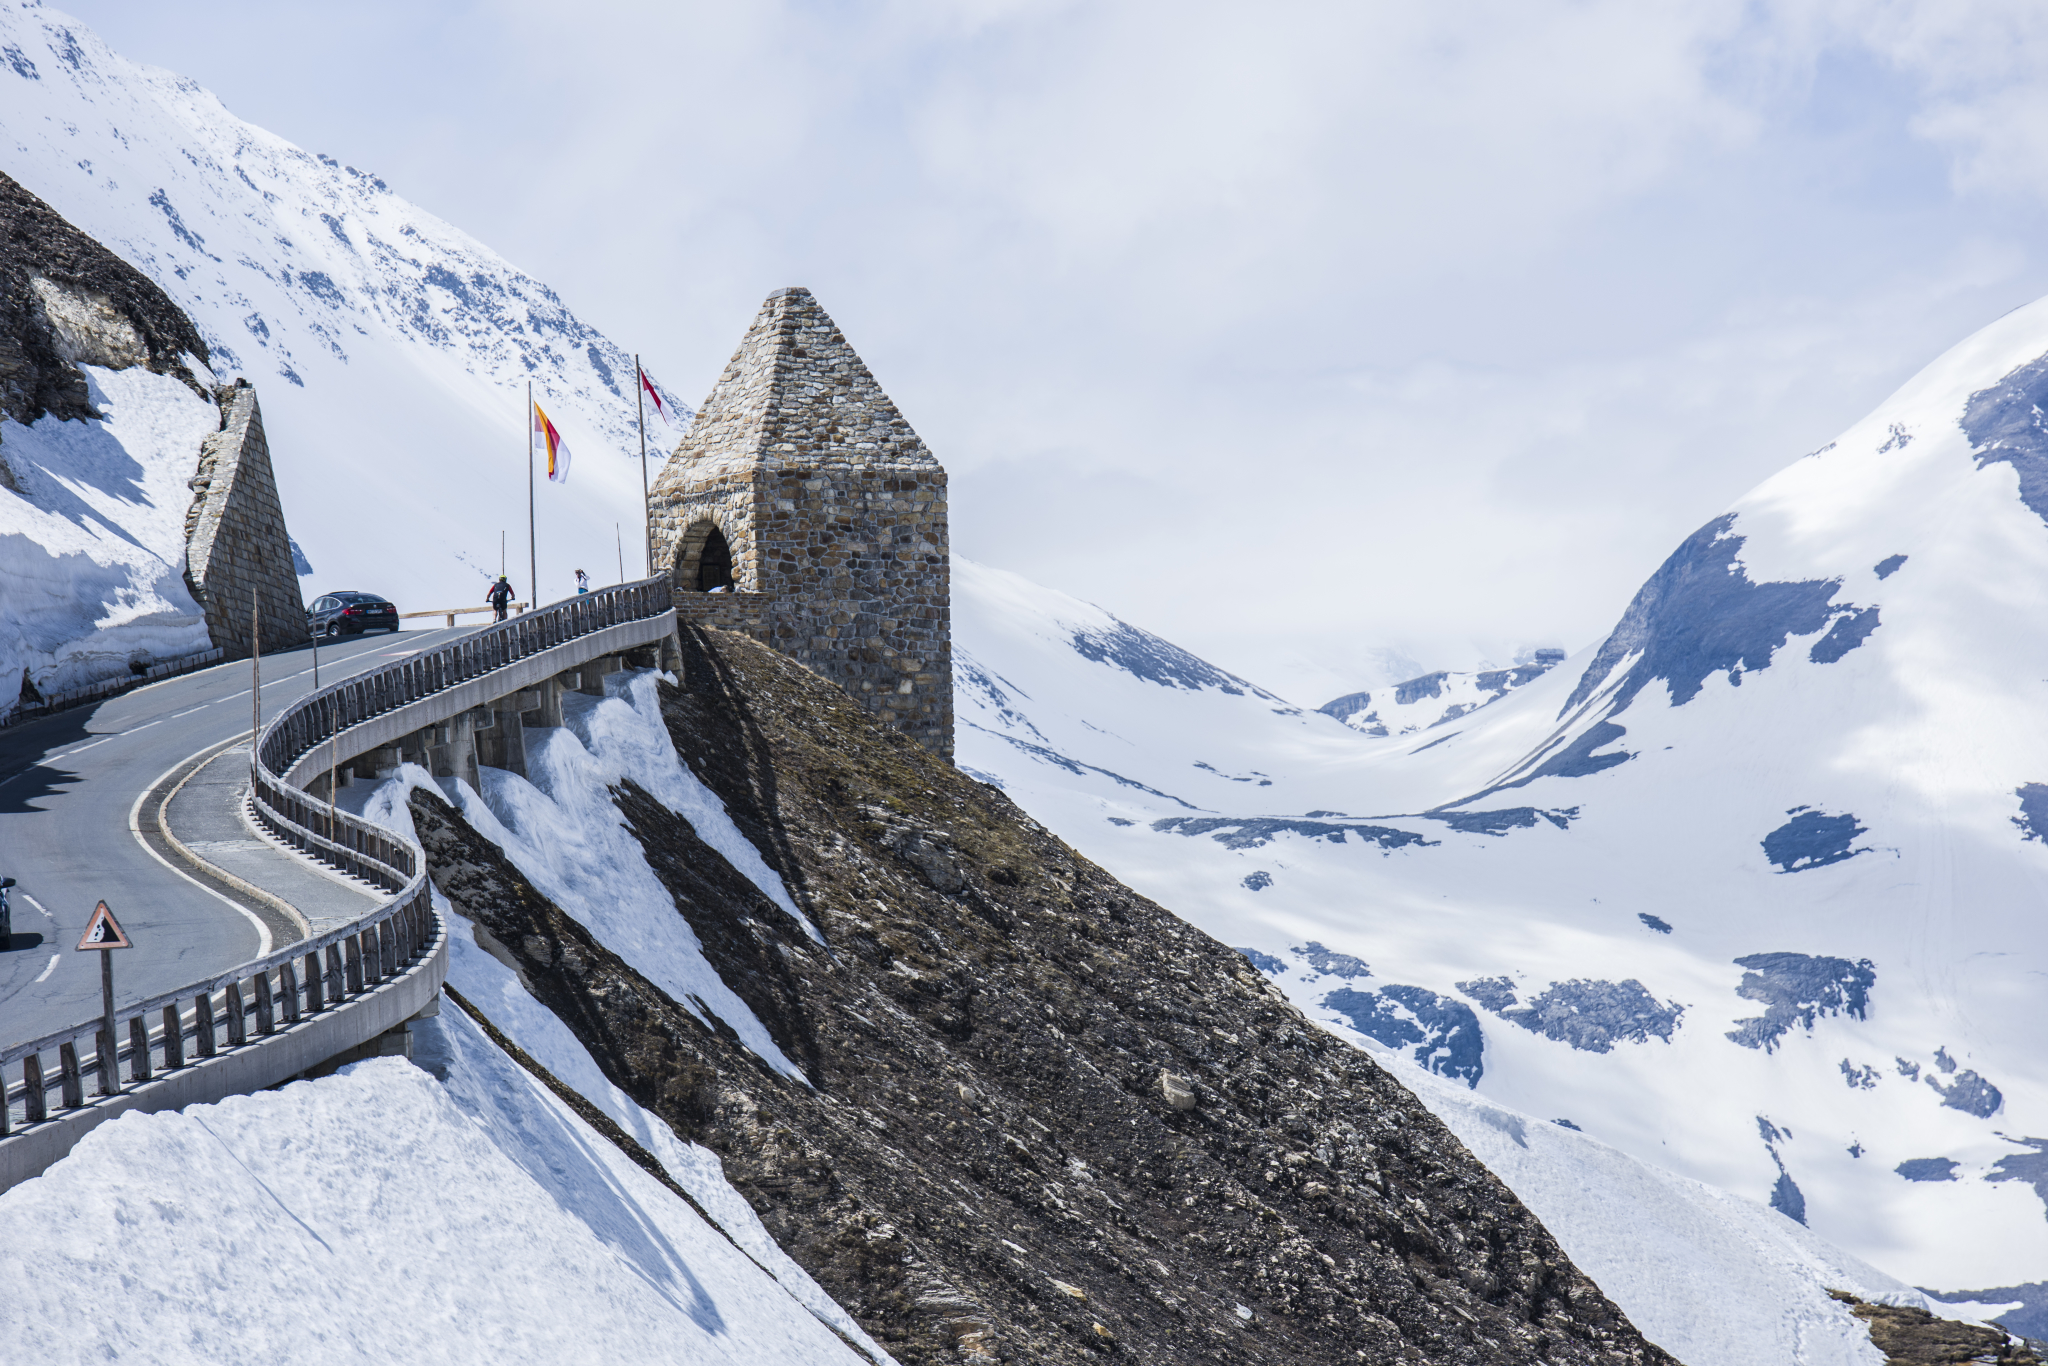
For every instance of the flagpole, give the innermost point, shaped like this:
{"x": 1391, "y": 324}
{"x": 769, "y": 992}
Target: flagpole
{"x": 532, "y": 554}
{"x": 646, "y": 510}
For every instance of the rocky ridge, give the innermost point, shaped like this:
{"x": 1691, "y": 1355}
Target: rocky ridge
{"x": 65, "y": 300}
{"x": 1048, "y": 1121}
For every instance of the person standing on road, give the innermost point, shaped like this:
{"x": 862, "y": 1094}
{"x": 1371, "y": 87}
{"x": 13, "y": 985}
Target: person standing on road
{"x": 500, "y": 595}
{"x": 582, "y": 582}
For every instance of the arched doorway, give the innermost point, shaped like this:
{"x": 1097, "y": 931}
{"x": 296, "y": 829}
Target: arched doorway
{"x": 703, "y": 560}
{"x": 714, "y": 563}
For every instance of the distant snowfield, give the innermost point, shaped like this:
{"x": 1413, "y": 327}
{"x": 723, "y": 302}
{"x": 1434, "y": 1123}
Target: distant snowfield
{"x": 92, "y": 542}
{"x": 1750, "y": 893}
{"x": 390, "y": 351}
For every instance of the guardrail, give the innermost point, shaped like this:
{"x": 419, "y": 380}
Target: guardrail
{"x": 330, "y": 973}
{"x": 453, "y": 612}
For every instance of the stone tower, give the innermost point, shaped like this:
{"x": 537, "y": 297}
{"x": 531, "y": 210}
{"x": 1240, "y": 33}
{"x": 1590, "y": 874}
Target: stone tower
{"x": 805, "y": 499}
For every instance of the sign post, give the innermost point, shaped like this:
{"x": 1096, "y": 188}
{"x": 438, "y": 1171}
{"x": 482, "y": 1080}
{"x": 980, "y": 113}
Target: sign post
{"x": 104, "y": 933}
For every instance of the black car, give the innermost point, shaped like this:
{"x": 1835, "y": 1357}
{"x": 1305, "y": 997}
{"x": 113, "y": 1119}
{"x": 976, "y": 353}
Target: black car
{"x": 350, "y": 614}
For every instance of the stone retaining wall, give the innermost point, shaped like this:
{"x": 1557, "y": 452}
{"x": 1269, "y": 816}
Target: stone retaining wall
{"x": 236, "y": 546}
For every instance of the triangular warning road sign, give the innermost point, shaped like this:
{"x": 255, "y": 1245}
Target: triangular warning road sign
{"x": 103, "y": 931}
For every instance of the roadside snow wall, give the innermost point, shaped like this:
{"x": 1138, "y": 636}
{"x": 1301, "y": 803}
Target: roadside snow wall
{"x": 92, "y": 537}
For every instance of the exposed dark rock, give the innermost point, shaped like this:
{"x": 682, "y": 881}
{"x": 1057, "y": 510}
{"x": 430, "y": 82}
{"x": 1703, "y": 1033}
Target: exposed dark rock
{"x": 1850, "y": 630}
{"x": 1888, "y": 566}
{"x": 1146, "y": 656}
{"x": 2005, "y": 426}
{"x": 1258, "y": 881}
{"x": 1927, "y": 1169}
{"x": 1913, "y": 1337}
{"x": 1812, "y": 840}
{"x": 67, "y": 300}
{"x": 2029, "y": 1320}
{"x": 1049, "y": 1121}
{"x": 2033, "y": 818}
{"x": 1349, "y": 705}
{"x": 1415, "y": 689}
{"x": 1498, "y": 823}
{"x": 1786, "y": 1197}
{"x": 1331, "y": 963}
{"x": 1701, "y": 614}
{"x": 1654, "y": 922}
{"x": 1444, "y": 1032}
{"x": 1797, "y": 989}
{"x": 1590, "y": 1016}
{"x": 1252, "y": 832}
{"x": 2032, "y": 1168}
{"x": 1969, "y": 1093}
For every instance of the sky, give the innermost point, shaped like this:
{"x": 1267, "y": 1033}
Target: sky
{"x": 1334, "y": 342}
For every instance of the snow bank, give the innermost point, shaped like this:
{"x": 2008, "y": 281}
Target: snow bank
{"x": 92, "y": 541}
{"x": 559, "y": 827}
{"x": 495, "y": 990}
{"x": 1710, "y": 1277}
{"x": 380, "y": 1214}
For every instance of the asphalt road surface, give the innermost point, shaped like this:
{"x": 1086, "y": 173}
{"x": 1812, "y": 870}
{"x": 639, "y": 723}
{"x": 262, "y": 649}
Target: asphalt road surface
{"x": 69, "y": 785}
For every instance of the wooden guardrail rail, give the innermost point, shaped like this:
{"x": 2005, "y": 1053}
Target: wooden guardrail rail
{"x": 453, "y": 612}
{"x": 265, "y": 1001}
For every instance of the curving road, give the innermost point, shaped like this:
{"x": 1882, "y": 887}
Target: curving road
{"x": 70, "y": 786}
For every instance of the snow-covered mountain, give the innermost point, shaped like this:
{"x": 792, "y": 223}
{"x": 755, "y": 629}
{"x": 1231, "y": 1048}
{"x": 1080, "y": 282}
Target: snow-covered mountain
{"x": 1749, "y": 892}
{"x": 390, "y": 350}
{"x": 1433, "y": 699}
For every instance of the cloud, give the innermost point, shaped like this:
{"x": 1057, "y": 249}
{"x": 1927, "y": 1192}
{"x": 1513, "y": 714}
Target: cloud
{"x": 1263, "y": 325}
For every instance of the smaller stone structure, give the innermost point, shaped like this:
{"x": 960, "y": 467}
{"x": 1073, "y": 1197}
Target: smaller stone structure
{"x": 803, "y": 510}
{"x": 236, "y": 547}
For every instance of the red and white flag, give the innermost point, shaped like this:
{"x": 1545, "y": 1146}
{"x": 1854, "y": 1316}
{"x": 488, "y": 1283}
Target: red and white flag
{"x": 654, "y": 393}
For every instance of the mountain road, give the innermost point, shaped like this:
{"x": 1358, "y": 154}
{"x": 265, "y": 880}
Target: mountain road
{"x": 72, "y": 834}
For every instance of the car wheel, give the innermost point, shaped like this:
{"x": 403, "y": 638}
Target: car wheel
{"x": 334, "y": 630}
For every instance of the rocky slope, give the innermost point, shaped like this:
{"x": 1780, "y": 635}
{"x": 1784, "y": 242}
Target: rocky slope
{"x": 66, "y": 300}
{"x": 1047, "y": 1120}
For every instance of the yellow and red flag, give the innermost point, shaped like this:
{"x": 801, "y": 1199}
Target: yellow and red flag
{"x": 556, "y": 448}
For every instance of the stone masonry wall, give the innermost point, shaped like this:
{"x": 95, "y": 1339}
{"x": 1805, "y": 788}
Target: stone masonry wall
{"x": 235, "y": 539}
{"x": 835, "y": 512}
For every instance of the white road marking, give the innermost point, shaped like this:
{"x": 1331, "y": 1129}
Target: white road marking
{"x": 83, "y": 748}
{"x": 263, "y": 944}
{"x": 144, "y": 726}
{"x": 55, "y": 959}
{"x": 201, "y": 707}
{"x": 38, "y": 905}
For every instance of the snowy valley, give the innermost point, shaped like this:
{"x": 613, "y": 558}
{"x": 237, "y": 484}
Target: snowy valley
{"x": 1746, "y": 892}
{"x": 773, "y": 1038}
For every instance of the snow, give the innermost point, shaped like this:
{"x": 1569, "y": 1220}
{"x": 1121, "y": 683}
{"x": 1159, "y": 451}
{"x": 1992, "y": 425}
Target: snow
{"x": 1708, "y": 1276}
{"x": 1614, "y": 874}
{"x": 391, "y": 352}
{"x": 92, "y": 544}
{"x": 559, "y": 827}
{"x": 381, "y": 1214}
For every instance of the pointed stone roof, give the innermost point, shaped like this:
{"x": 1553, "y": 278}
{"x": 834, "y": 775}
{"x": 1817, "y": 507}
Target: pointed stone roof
{"x": 796, "y": 395}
